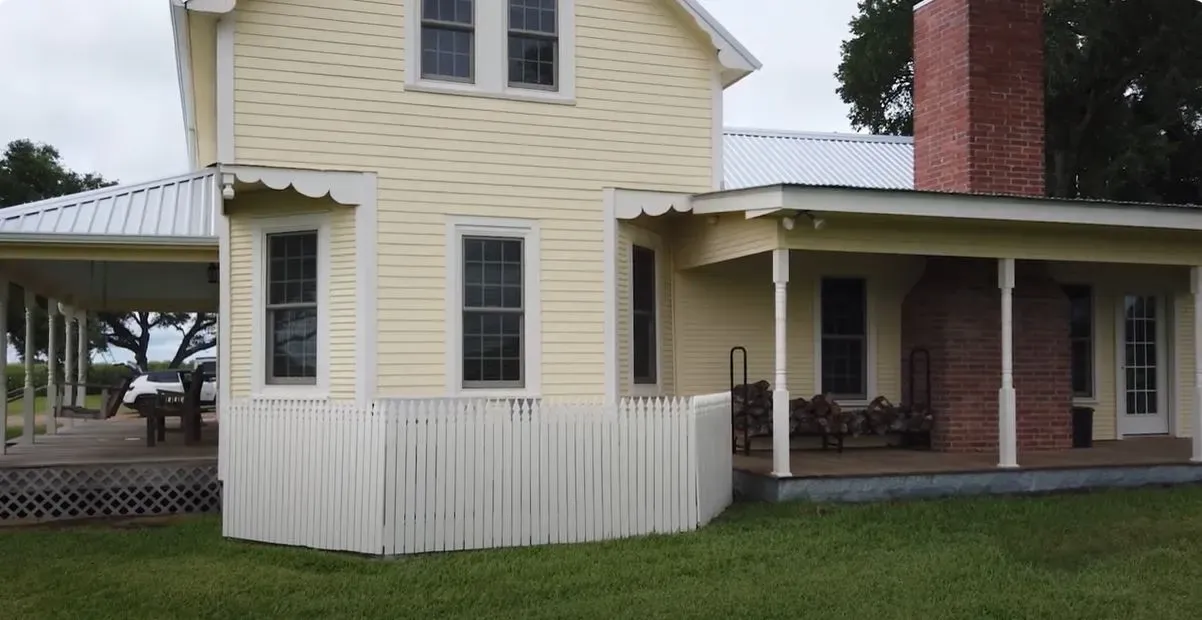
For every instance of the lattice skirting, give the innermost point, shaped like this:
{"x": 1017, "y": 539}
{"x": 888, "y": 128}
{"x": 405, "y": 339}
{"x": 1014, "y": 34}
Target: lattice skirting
{"x": 92, "y": 491}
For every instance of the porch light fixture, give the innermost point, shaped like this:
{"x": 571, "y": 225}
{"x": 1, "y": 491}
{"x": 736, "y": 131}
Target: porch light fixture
{"x": 788, "y": 222}
{"x": 214, "y": 273}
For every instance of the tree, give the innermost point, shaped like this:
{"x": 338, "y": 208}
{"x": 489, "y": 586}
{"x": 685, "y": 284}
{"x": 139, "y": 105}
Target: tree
{"x": 1123, "y": 98}
{"x": 132, "y": 332}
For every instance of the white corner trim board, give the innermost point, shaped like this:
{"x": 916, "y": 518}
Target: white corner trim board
{"x": 367, "y": 291}
{"x": 609, "y": 227}
{"x": 346, "y": 188}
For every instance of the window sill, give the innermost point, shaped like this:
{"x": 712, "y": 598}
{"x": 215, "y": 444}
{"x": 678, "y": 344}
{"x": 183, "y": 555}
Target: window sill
{"x": 499, "y": 394}
{"x": 472, "y": 90}
{"x": 1091, "y": 401}
{"x": 304, "y": 392}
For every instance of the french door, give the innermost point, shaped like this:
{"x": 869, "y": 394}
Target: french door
{"x": 1143, "y": 402}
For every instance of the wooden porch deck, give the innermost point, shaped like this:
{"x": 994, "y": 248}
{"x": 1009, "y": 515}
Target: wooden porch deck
{"x": 118, "y": 440}
{"x": 876, "y": 461}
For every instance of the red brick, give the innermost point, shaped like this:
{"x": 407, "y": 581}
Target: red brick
{"x": 978, "y": 97}
{"x": 954, "y": 311}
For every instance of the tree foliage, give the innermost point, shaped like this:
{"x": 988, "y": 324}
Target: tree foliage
{"x": 1124, "y": 92}
{"x": 30, "y": 172}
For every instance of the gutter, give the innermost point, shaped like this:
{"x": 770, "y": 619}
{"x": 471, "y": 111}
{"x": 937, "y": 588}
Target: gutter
{"x": 106, "y": 240}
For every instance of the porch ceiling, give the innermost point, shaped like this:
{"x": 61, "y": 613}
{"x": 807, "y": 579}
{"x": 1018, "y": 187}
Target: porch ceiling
{"x": 117, "y": 286}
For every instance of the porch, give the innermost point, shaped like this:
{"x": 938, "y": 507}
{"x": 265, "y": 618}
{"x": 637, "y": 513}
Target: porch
{"x": 875, "y": 474}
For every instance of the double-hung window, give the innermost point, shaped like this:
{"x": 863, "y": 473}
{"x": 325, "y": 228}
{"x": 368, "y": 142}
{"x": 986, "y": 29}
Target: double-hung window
{"x": 533, "y": 43}
{"x": 448, "y": 40}
{"x": 493, "y": 344}
{"x": 643, "y": 306}
{"x": 1080, "y": 300}
{"x": 844, "y": 338}
{"x": 517, "y": 49}
{"x": 291, "y": 308}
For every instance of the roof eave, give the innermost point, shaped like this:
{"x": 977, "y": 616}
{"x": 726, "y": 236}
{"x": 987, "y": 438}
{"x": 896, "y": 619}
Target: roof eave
{"x": 183, "y": 72}
{"x": 109, "y": 240}
{"x": 736, "y": 60}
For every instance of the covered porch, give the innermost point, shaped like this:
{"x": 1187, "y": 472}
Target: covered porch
{"x": 1026, "y": 308}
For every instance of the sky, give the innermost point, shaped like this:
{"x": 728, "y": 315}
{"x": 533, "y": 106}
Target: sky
{"x": 97, "y": 80}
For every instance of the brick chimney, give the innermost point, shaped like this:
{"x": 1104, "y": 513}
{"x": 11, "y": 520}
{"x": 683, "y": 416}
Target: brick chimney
{"x": 978, "y": 128}
{"x": 978, "y": 96}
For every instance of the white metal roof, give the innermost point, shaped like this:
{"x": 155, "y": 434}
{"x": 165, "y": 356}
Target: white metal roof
{"x": 754, "y": 158}
{"x": 178, "y": 209}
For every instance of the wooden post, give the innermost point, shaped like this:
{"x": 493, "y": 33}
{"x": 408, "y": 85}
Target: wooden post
{"x": 27, "y": 432}
{"x": 780, "y": 392}
{"x": 82, "y": 356}
{"x": 1007, "y": 440}
{"x": 4, "y": 362}
{"x": 1195, "y": 281}
{"x": 52, "y": 366}
{"x": 69, "y": 379}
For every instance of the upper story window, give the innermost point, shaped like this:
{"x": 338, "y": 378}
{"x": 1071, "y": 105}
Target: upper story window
{"x": 533, "y": 43}
{"x": 448, "y": 39}
{"x": 517, "y": 49}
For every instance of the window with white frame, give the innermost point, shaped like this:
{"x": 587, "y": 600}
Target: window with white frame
{"x": 448, "y": 39}
{"x": 493, "y": 316}
{"x": 291, "y": 307}
{"x": 844, "y": 337}
{"x": 533, "y": 43}
{"x": 522, "y": 49}
{"x": 1080, "y": 300}
{"x": 643, "y": 308}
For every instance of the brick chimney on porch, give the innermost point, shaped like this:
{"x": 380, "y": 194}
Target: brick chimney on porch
{"x": 979, "y": 129}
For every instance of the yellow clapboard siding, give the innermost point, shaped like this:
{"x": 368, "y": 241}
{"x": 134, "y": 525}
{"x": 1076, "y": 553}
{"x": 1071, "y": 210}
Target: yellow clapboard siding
{"x": 343, "y": 321}
{"x": 320, "y": 83}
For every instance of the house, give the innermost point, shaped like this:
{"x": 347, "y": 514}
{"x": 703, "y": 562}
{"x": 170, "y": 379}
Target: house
{"x": 536, "y": 199}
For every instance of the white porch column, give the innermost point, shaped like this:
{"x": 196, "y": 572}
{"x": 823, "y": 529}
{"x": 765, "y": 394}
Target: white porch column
{"x": 1195, "y": 285}
{"x": 4, "y": 362}
{"x": 81, "y": 358}
{"x": 1007, "y": 441}
{"x": 68, "y": 357}
{"x": 52, "y": 367}
{"x": 780, "y": 394}
{"x": 27, "y": 432}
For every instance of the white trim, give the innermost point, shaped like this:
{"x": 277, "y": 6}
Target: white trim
{"x": 343, "y": 187}
{"x": 225, "y": 88}
{"x": 1195, "y": 281}
{"x": 870, "y": 337}
{"x": 736, "y": 60}
{"x": 530, "y": 232}
{"x": 490, "y": 70}
{"x": 629, "y": 204}
{"x": 609, "y": 227}
{"x": 261, "y": 228}
{"x": 952, "y": 206}
{"x": 366, "y": 292}
{"x": 780, "y": 391}
{"x": 224, "y": 305}
{"x": 1007, "y": 409}
{"x": 718, "y": 137}
{"x": 181, "y": 34}
{"x": 652, "y": 241}
{"x": 208, "y": 6}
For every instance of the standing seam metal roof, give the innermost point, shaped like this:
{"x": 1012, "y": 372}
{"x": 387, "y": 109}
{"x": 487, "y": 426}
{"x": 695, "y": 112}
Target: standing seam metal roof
{"x": 753, "y": 158}
{"x": 184, "y": 206}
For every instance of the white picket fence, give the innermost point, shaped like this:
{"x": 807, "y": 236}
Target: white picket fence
{"x": 414, "y": 476}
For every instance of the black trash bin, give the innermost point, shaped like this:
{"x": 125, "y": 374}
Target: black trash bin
{"x": 1082, "y": 427}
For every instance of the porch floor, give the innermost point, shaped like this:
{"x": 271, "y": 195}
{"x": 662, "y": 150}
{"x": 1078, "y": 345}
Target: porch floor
{"x": 118, "y": 440}
{"x": 877, "y": 461}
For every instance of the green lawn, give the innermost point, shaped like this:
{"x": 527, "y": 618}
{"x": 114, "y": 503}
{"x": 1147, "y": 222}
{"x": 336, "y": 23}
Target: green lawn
{"x": 15, "y": 431}
{"x": 16, "y": 408}
{"x": 1108, "y": 555}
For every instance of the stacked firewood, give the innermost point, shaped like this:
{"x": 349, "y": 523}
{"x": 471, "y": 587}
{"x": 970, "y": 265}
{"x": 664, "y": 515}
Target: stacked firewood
{"x": 821, "y": 415}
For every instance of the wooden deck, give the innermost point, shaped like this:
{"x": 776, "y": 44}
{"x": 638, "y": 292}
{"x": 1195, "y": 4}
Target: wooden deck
{"x": 119, "y": 440}
{"x": 876, "y": 461}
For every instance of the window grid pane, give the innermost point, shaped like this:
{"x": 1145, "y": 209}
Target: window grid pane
{"x": 533, "y": 43}
{"x": 1081, "y": 339}
{"x": 493, "y": 312}
{"x": 643, "y": 308}
{"x": 291, "y": 307}
{"x": 448, "y": 40}
{"x": 844, "y": 308}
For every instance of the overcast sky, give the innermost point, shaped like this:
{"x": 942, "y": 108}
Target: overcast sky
{"x": 96, "y": 79}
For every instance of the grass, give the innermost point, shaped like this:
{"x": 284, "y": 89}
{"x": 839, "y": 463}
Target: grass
{"x": 15, "y": 431}
{"x": 1133, "y": 554}
{"x": 16, "y": 408}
